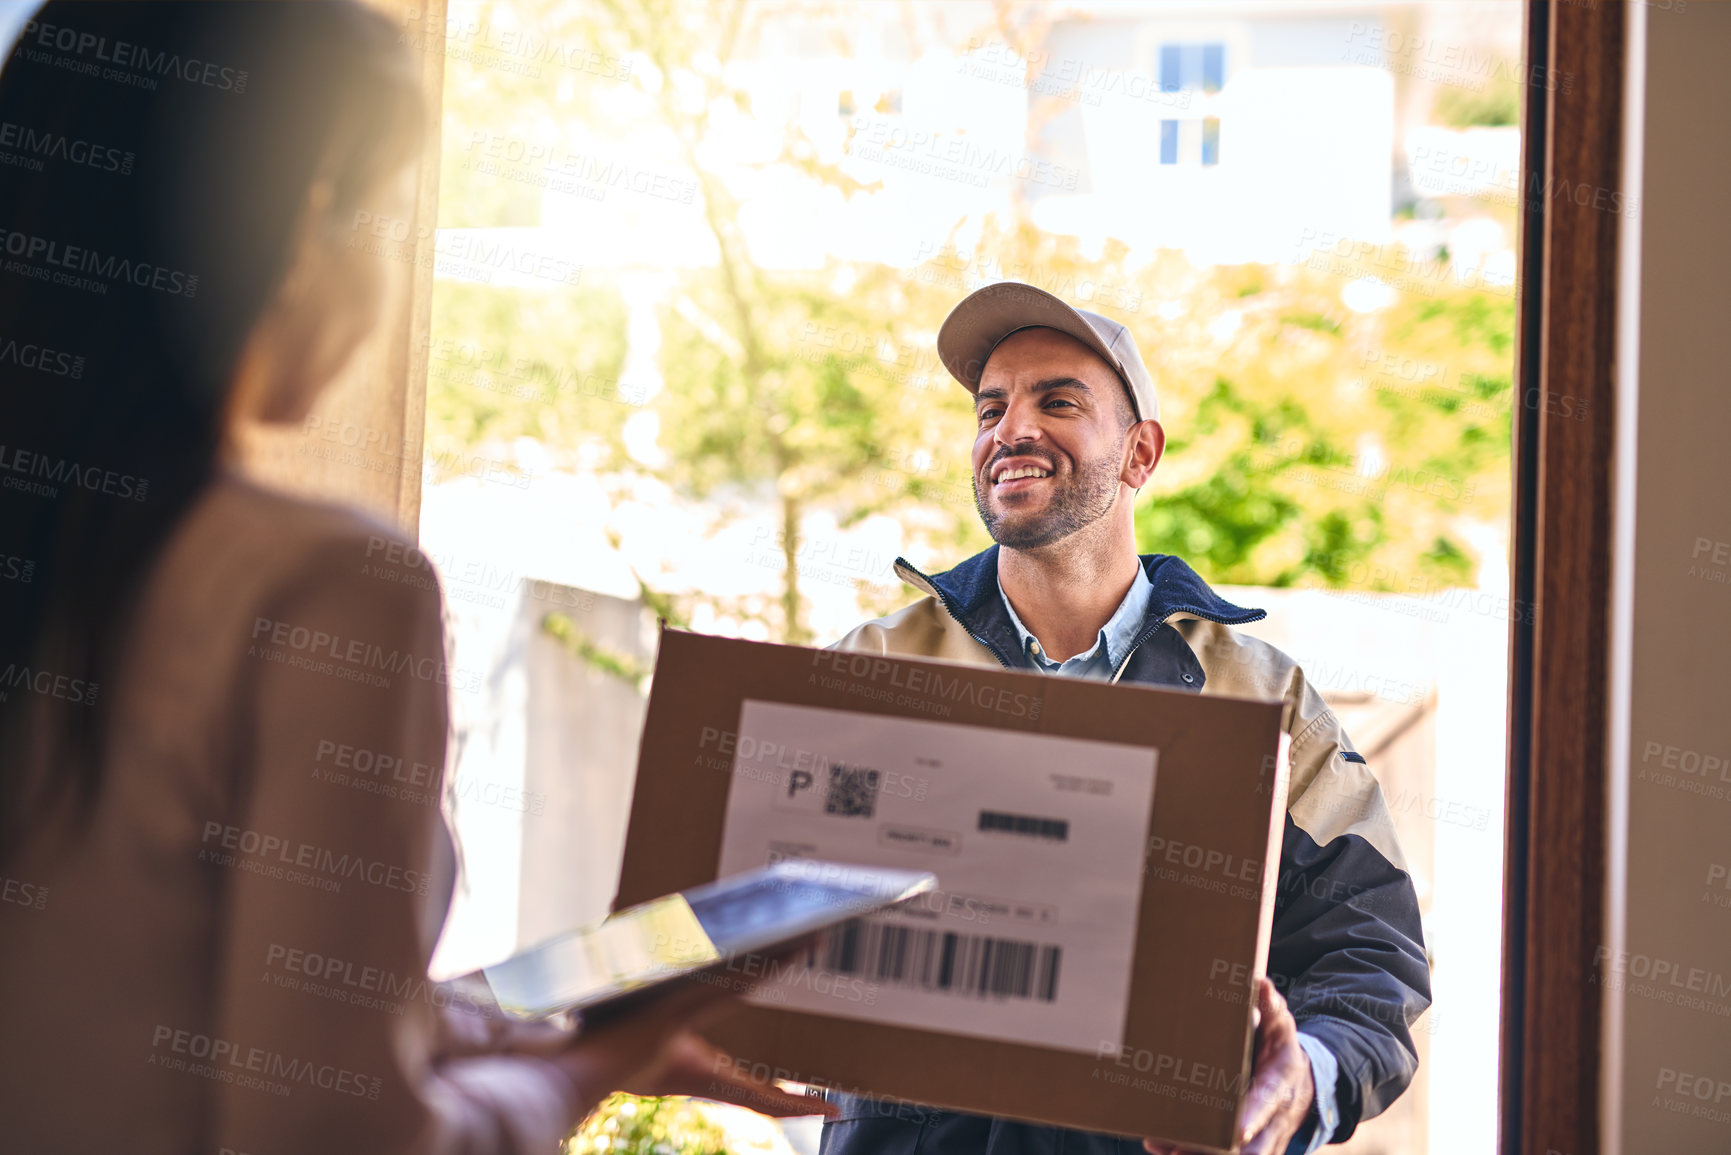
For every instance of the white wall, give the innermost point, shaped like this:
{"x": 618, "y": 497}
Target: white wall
{"x": 1667, "y": 960}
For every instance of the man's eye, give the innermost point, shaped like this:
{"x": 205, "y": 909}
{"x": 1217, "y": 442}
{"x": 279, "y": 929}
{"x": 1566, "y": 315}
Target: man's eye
{"x": 988, "y": 414}
{"x": 1060, "y": 401}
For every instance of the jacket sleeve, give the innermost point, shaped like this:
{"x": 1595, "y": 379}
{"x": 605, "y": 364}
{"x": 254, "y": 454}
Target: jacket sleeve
{"x": 1347, "y": 949}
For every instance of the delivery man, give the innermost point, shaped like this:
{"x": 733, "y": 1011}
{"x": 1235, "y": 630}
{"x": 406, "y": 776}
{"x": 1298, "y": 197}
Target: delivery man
{"x": 1068, "y": 432}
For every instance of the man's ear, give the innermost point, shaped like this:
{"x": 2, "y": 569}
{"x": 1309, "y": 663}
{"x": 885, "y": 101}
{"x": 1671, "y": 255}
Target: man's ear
{"x": 1146, "y": 444}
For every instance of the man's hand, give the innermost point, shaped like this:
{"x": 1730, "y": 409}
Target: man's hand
{"x": 1280, "y": 1089}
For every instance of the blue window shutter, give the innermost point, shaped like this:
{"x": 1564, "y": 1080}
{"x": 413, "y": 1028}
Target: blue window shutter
{"x": 1170, "y": 80}
{"x": 1213, "y": 67}
{"x": 1191, "y": 68}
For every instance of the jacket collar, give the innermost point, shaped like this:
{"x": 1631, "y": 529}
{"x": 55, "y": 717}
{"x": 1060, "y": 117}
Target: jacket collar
{"x": 969, "y": 593}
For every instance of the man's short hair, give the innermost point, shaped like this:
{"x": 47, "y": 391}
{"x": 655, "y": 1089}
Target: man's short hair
{"x": 1121, "y": 406}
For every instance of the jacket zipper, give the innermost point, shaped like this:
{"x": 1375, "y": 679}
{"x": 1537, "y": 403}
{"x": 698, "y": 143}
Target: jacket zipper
{"x": 950, "y": 608}
{"x": 944, "y": 600}
{"x": 1137, "y": 644}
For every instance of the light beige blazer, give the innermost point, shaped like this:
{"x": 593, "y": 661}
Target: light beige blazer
{"x": 233, "y": 956}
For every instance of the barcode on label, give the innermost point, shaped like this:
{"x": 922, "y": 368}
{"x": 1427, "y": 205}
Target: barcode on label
{"x": 941, "y": 961}
{"x": 1057, "y": 829}
{"x": 852, "y": 791}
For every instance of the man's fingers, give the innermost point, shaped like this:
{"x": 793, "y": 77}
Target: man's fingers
{"x": 1268, "y": 1090}
{"x": 1267, "y": 1123}
{"x": 1275, "y": 1028}
{"x": 1259, "y": 1106}
{"x": 1263, "y": 1144}
{"x": 1281, "y": 1091}
{"x": 1270, "y": 1001}
{"x": 1275, "y": 1016}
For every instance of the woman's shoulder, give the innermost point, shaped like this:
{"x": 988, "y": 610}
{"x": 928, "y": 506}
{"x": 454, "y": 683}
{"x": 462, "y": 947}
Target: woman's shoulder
{"x": 243, "y": 545}
{"x": 272, "y": 519}
{"x": 278, "y": 530}
{"x": 251, "y": 585}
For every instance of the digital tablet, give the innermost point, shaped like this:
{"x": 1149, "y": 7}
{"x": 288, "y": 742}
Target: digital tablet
{"x": 605, "y": 964}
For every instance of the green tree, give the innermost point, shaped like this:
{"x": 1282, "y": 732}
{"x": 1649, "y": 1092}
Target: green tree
{"x": 1315, "y": 445}
{"x": 790, "y": 388}
{"x": 1308, "y": 442}
{"x": 1495, "y": 103}
{"x": 510, "y": 363}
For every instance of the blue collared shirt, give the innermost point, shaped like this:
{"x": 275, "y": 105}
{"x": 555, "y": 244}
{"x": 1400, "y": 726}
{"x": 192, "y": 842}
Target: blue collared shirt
{"x": 1101, "y": 662}
{"x": 1110, "y": 648}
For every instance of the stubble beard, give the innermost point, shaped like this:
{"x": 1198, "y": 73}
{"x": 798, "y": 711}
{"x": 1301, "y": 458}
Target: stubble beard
{"x": 1081, "y": 503}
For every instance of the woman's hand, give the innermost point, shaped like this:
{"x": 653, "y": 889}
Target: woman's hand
{"x": 654, "y": 1050}
{"x": 694, "y": 1066}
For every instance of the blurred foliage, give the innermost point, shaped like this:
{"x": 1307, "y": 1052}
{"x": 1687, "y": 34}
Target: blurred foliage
{"x": 580, "y": 645}
{"x": 846, "y": 406}
{"x": 509, "y": 363}
{"x": 1308, "y": 443}
{"x": 1496, "y": 103}
{"x": 627, "y": 1125}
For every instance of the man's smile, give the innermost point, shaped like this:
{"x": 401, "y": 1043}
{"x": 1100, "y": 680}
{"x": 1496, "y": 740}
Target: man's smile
{"x": 1014, "y": 474}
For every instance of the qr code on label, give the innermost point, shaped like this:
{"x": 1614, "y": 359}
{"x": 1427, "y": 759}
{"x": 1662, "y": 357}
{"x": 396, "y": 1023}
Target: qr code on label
{"x": 852, "y": 791}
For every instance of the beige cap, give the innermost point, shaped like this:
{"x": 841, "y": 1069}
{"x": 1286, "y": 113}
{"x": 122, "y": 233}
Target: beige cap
{"x": 986, "y": 316}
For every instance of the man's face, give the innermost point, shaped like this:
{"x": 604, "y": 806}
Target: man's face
{"x": 1050, "y": 452}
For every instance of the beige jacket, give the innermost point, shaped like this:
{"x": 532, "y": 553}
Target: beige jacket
{"x": 1347, "y": 948}
{"x": 1327, "y": 795}
{"x": 233, "y": 956}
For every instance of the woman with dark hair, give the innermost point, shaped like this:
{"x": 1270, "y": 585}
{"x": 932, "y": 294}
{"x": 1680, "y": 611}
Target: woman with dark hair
{"x": 206, "y": 944}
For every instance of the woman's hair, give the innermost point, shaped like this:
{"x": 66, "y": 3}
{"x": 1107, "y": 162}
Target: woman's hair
{"x": 155, "y": 161}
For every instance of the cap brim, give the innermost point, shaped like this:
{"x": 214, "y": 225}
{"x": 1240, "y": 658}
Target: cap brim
{"x": 986, "y": 316}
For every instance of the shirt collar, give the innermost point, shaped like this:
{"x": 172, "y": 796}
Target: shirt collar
{"x": 1115, "y": 637}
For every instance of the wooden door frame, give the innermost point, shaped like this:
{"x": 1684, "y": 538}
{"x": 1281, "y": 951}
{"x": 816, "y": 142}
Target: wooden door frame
{"x": 1555, "y": 850}
{"x": 1564, "y": 425}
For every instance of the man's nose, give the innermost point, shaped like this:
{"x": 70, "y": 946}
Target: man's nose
{"x": 1019, "y": 423}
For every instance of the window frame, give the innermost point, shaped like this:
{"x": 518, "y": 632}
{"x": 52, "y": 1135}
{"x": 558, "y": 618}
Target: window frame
{"x": 1559, "y": 640}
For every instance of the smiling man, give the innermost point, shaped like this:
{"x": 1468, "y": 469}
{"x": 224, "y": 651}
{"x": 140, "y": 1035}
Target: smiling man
{"x": 1068, "y": 432}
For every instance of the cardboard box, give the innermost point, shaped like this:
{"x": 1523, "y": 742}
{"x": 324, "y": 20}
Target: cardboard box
{"x": 1207, "y": 891}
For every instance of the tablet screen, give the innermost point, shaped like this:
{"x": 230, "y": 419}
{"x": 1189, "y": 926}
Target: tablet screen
{"x": 740, "y": 917}
{"x": 627, "y": 951}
